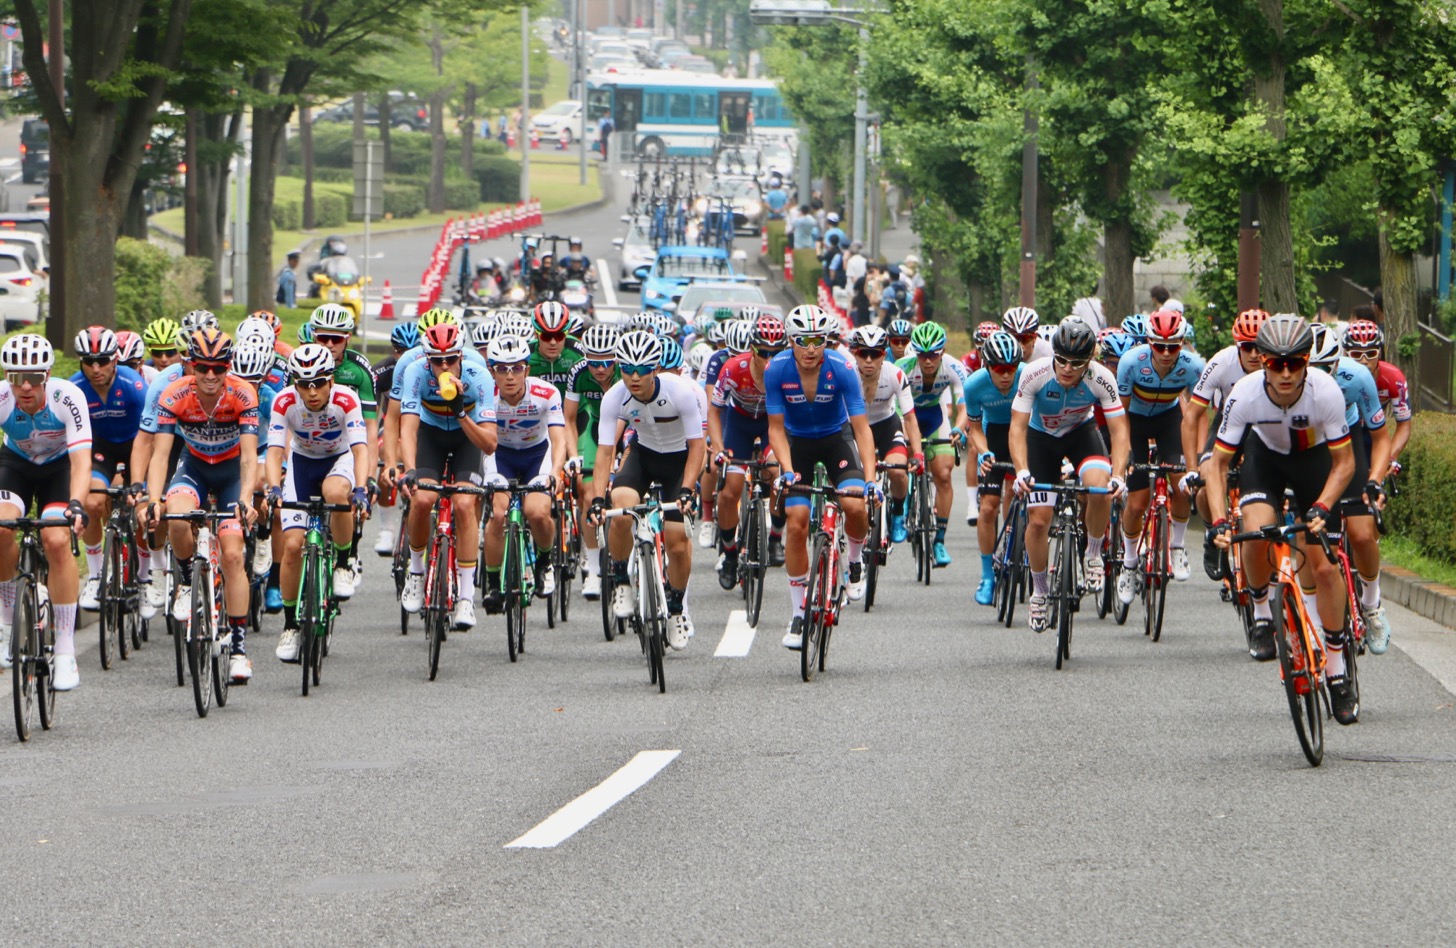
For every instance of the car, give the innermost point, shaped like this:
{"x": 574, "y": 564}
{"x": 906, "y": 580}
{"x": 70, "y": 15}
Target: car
{"x": 407, "y": 112}
{"x": 748, "y": 207}
{"x": 713, "y": 295}
{"x": 776, "y": 158}
{"x": 612, "y": 64}
{"x": 35, "y": 150}
{"x": 20, "y": 288}
{"x": 615, "y": 33}
{"x": 41, "y": 199}
{"x": 675, "y": 267}
{"x": 738, "y": 161}
{"x": 698, "y": 64}
{"x": 565, "y": 115}
{"x": 29, "y": 223}
{"x": 637, "y": 251}
{"x": 640, "y": 36}
{"x": 618, "y": 49}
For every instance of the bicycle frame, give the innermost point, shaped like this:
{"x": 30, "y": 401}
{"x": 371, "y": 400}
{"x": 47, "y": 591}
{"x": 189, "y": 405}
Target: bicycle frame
{"x": 1065, "y": 582}
{"x": 647, "y": 569}
{"x": 32, "y": 642}
{"x": 1156, "y": 572}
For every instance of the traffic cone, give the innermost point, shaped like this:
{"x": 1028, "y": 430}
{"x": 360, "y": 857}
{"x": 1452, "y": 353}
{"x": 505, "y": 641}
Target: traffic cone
{"x": 521, "y": 219}
{"x": 511, "y": 138}
{"x": 763, "y": 244}
{"x": 535, "y": 212}
{"x": 493, "y": 229}
{"x": 386, "y": 302}
{"x": 788, "y": 265}
{"x": 535, "y": 139}
{"x": 563, "y": 139}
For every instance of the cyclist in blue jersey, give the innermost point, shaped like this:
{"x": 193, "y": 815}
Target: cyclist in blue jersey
{"x": 989, "y": 393}
{"x": 816, "y": 415}
{"x": 937, "y": 383}
{"x": 114, "y": 396}
{"x": 1052, "y": 418}
{"x": 1154, "y": 380}
{"x": 46, "y": 459}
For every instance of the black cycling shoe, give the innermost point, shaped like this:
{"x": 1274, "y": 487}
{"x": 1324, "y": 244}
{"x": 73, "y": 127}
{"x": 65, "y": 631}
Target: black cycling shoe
{"x": 494, "y": 601}
{"x": 775, "y": 551}
{"x": 1261, "y": 640}
{"x": 1212, "y": 559}
{"x": 1344, "y": 703}
{"x": 728, "y": 570}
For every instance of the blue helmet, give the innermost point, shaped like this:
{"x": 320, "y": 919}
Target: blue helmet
{"x": 1136, "y": 326}
{"x": 1189, "y": 332}
{"x": 405, "y": 336}
{"x": 672, "y": 354}
{"x": 1116, "y": 344}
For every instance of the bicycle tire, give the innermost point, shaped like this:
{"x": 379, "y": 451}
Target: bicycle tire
{"x": 1066, "y": 595}
{"x": 512, "y": 572}
{"x": 1105, "y": 597}
{"x": 1147, "y": 570}
{"x": 566, "y": 565}
{"x": 437, "y": 613}
{"x": 222, "y": 653}
{"x": 604, "y": 567}
{"x": 1016, "y": 568}
{"x": 1162, "y": 573}
{"x": 24, "y": 646}
{"x": 120, "y": 611}
{"x": 45, "y": 655}
{"x": 927, "y": 530}
{"x": 107, "y": 619}
{"x": 199, "y": 642}
{"x": 655, "y": 625}
{"x": 308, "y": 618}
{"x": 1294, "y": 667}
{"x": 755, "y": 545}
{"x": 1005, "y": 593}
{"x": 399, "y": 566}
{"x": 872, "y": 557}
{"x": 816, "y": 600}
{"x": 132, "y": 622}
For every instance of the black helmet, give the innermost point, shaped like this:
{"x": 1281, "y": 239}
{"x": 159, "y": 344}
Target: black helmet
{"x": 1284, "y": 334}
{"x": 1075, "y": 340}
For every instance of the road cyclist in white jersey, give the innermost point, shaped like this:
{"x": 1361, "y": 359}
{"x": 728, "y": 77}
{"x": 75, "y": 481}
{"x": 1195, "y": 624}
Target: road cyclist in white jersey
{"x": 937, "y": 387}
{"x": 1052, "y": 420}
{"x": 890, "y": 413}
{"x": 46, "y": 459}
{"x": 668, "y": 450}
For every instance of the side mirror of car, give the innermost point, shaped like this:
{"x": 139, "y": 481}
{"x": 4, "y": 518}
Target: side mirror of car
{"x": 641, "y": 272}
{"x": 618, "y": 242}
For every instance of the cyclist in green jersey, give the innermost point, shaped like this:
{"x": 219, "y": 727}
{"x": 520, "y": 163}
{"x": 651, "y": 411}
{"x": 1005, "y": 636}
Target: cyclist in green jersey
{"x": 582, "y": 406}
{"x": 550, "y": 360}
{"x": 333, "y": 327}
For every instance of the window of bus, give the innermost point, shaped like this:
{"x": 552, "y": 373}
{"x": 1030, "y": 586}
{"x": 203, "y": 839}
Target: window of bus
{"x": 654, "y": 106}
{"x": 680, "y": 105}
{"x": 704, "y": 106}
{"x": 598, "y": 104}
{"x": 767, "y": 108}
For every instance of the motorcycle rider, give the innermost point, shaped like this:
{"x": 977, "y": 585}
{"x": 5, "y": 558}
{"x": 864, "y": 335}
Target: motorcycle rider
{"x": 578, "y": 265}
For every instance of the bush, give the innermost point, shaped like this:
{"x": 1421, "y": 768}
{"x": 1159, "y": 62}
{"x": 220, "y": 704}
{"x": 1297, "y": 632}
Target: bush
{"x": 778, "y": 239}
{"x": 151, "y": 282}
{"x": 403, "y": 200}
{"x": 462, "y": 194}
{"x": 330, "y": 209}
{"x": 489, "y": 146}
{"x": 1427, "y": 484}
{"x": 287, "y": 214}
{"x": 807, "y": 271}
{"x": 500, "y": 179}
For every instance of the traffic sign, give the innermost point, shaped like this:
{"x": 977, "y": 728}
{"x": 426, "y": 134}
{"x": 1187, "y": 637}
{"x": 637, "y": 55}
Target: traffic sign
{"x": 9, "y": 32}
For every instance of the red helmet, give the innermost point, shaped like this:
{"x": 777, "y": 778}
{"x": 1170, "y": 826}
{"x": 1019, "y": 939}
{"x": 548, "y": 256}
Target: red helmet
{"x": 984, "y": 330}
{"x": 129, "y": 346}
{"x": 443, "y": 339}
{"x": 96, "y": 342}
{"x": 1165, "y": 325}
{"x": 1363, "y": 334}
{"x": 551, "y": 316}
{"x": 1246, "y": 326}
{"x": 768, "y": 332}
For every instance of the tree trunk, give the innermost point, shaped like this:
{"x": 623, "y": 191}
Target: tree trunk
{"x": 435, "y": 197}
{"x": 1117, "y": 255}
{"x": 219, "y": 134}
{"x": 385, "y": 117}
{"x": 468, "y": 131}
{"x": 1276, "y": 235}
{"x": 268, "y": 125}
{"x": 1398, "y": 289}
{"x": 305, "y": 147}
{"x": 134, "y": 217}
{"x": 92, "y": 215}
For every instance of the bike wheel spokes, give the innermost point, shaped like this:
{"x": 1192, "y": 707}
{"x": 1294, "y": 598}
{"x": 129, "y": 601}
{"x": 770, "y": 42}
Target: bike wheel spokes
{"x": 24, "y": 646}
{"x": 1301, "y": 683}
{"x": 816, "y": 604}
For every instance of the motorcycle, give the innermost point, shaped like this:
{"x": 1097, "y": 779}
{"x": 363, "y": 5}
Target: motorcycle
{"x": 338, "y": 281}
{"x": 576, "y": 297}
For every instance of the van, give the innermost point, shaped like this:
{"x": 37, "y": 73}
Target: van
{"x": 35, "y": 150}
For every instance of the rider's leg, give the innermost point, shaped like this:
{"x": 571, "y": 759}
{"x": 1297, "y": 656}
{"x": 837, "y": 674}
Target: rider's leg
{"x": 940, "y": 470}
{"x": 467, "y": 541}
{"x": 1365, "y": 545}
{"x": 1132, "y": 525}
{"x": 235, "y": 581}
{"x": 1038, "y": 528}
{"x": 421, "y": 506}
{"x": 1255, "y": 557}
{"x": 537, "y": 508}
{"x": 63, "y": 581}
{"x": 796, "y": 553}
{"x": 728, "y": 500}
{"x": 341, "y": 525}
{"x": 98, "y": 508}
{"x": 290, "y": 569}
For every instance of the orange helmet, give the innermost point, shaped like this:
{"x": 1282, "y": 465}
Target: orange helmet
{"x": 1166, "y": 325}
{"x": 1246, "y": 326}
{"x": 210, "y": 345}
{"x": 274, "y": 321}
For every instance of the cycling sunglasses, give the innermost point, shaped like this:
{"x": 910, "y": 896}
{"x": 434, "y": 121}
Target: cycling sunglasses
{"x": 870, "y": 353}
{"x": 899, "y": 340}
{"x": 163, "y": 353}
{"x": 1166, "y": 347}
{"x": 1062, "y": 362}
{"x": 211, "y": 368}
{"x": 1363, "y": 354}
{"x": 330, "y": 339}
{"x": 96, "y": 360}
{"x": 22, "y": 379}
{"x": 509, "y": 368}
{"x": 1290, "y": 364}
{"x": 812, "y": 342}
{"x": 551, "y": 336}
{"x": 1248, "y": 347}
{"x": 1024, "y": 337}
{"x": 1009, "y": 367}
{"x": 600, "y": 363}
{"x": 443, "y": 361}
{"x": 638, "y": 370}
{"x": 312, "y": 383}
{"x": 767, "y": 353}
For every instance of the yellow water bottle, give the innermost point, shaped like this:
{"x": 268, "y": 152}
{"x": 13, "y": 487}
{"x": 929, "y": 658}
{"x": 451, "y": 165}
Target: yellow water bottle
{"x": 448, "y": 389}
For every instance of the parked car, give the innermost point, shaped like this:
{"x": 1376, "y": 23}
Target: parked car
{"x": 612, "y": 64}
{"x": 698, "y": 64}
{"x": 20, "y": 288}
{"x": 38, "y": 245}
{"x": 406, "y": 111}
{"x": 674, "y": 268}
{"x": 33, "y": 223}
{"x": 566, "y": 114}
{"x": 637, "y": 251}
{"x": 35, "y": 150}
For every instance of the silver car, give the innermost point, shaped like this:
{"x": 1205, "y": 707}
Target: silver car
{"x": 637, "y": 251}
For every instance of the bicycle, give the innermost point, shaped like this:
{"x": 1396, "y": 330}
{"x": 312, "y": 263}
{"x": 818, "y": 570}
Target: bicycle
{"x": 119, "y": 592}
{"x": 566, "y": 552}
{"x": 920, "y": 511}
{"x": 262, "y": 532}
{"x": 645, "y": 570}
{"x": 399, "y": 565}
{"x": 753, "y": 528}
{"x": 441, "y": 591}
{"x": 877, "y": 543}
{"x": 33, "y": 631}
{"x": 518, "y": 566}
{"x": 1065, "y": 584}
{"x": 317, "y": 607}
{"x": 1107, "y": 601}
{"x": 1154, "y": 571}
{"x": 209, "y": 648}
{"x": 1008, "y": 558}
{"x": 825, "y": 590}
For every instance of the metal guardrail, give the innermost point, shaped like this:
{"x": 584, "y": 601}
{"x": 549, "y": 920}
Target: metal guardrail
{"x": 1436, "y": 361}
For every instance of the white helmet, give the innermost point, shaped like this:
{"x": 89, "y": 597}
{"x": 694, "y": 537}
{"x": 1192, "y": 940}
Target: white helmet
{"x": 1020, "y": 320}
{"x": 252, "y": 359}
{"x": 331, "y": 317}
{"x": 808, "y": 320}
{"x": 868, "y": 337}
{"x": 520, "y": 325}
{"x": 639, "y": 347}
{"x": 1047, "y": 331}
{"x": 310, "y": 361}
{"x": 738, "y": 336}
{"x": 1326, "y": 348}
{"x": 27, "y": 353}
{"x": 698, "y": 355}
{"x": 195, "y": 320}
{"x": 255, "y": 327}
{"x": 483, "y": 332}
{"x": 600, "y": 340}
{"x": 507, "y": 350}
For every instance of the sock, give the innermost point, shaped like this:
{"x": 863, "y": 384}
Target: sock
{"x": 342, "y": 555}
{"x": 1039, "y": 583}
{"x": 940, "y": 524}
{"x": 93, "y": 560}
{"x": 675, "y": 598}
{"x": 7, "y": 602}
{"x": 65, "y": 628}
{"x": 1370, "y": 592}
{"x": 465, "y": 574}
{"x": 238, "y": 626}
{"x": 729, "y": 539}
{"x": 1178, "y": 533}
{"x": 290, "y": 614}
{"x": 184, "y": 572}
{"x": 593, "y": 564}
{"x": 352, "y": 547}
{"x": 1334, "y": 653}
{"x": 543, "y": 557}
{"x": 1129, "y": 551}
{"x": 619, "y": 571}
{"x": 973, "y": 496}
{"x": 856, "y": 549}
{"x": 1311, "y": 604}
{"x": 492, "y": 578}
{"x": 417, "y": 560}
{"x": 776, "y": 530}
{"x": 274, "y": 572}
{"x": 988, "y": 571}
{"x": 1261, "y": 603}
{"x": 798, "y": 591}
{"x": 897, "y": 506}
{"x": 144, "y": 565}
{"x": 1094, "y": 548}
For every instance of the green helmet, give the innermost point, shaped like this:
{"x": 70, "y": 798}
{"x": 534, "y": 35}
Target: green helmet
{"x": 928, "y": 337}
{"x": 434, "y": 317}
{"x": 161, "y": 333}
{"x": 305, "y": 333}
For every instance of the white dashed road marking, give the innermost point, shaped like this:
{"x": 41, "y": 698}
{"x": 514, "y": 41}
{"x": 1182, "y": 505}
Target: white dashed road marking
{"x": 570, "y": 819}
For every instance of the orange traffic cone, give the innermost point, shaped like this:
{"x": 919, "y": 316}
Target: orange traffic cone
{"x": 563, "y": 139}
{"x": 386, "y": 302}
{"x": 535, "y": 139}
{"x": 788, "y": 264}
{"x": 763, "y": 244}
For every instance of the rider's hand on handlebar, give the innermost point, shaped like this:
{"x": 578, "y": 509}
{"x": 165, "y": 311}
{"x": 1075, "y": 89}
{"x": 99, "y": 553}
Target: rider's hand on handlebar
{"x": 1220, "y": 530}
{"x": 360, "y": 497}
{"x": 409, "y": 480}
{"x": 77, "y": 515}
{"x": 1189, "y": 483}
{"x": 1023, "y": 483}
{"x": 984, "y": 460}
{"x": 1375, "y": 495}
{"x": 1116, "y": 487}
{"x": 595, "y": 511}
{"x": 787, "y": 479}
{"x": 917, "y": 464}
{"x": 1315, "y": 517}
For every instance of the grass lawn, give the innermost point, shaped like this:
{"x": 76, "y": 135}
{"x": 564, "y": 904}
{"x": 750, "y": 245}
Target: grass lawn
{"x": 1400, "y": 551}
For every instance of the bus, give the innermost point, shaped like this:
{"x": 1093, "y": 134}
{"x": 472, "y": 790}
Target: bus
{"x": 671, "y": 112}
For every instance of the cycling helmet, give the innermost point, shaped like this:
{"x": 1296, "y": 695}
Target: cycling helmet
{"x": 508, "y": 350}
{"x": 305, "y": 332}
{"x": 1190, "y": 334}
{"x": 1165, "y": 325}
{"x": 435, "y": 317}
{"x": 983, "y": 332}
{"x": 575, "y": 325}
{"x": 868, "y": 337}
{"x": 639, "y": 347}
{"x": 129, "y": 347}
{"x": 443, "y": 339}
{"x": 1075, "y": 340}
{"x": 1284, "y": 334}
{"x": 255, "y": 328}
{"x": 1363, "y": 334}
{"x": 1136, "y": 326}
{"x": 715, "y": 335}
{"x": 1246, "y": 325}
{"x": 901, "y": 329}
{"x": 599, "y": 341}
{"x": 738, "y": 336}
{"x": 1115, "y": 344}
{"x": 210, "y": 345}
{"x": 520, "y": 325}
{"x": 672, "y": 354}
{"x": 97, "y": 342}
{"x": 928, "y": 338}
{"x": 551, "y": 316}
{"x": 252, "y": 359}
{"x": 1020, "y": 320}
{"x": 768, "y": 332}
{"x": 483, "y": 332}
{"x": 703, "y": 324}
{"x": 667, "y": 327}
{"x": 644, "y": 321}
{"x": 27, "y": 353}
{"x": 808, "y": 320}
{"x": 1325, "y": 348}
{"x": 161, "y": 333}
{"x": 273, "y": 320}
{"x": 697, "y": 358}
{"x": 331, "y": 317}
{"x": 310, "y": 361}
{"x": 1001, "y": 348}
{"x": 198, "y": 319}
{"x": 405, "y": 336}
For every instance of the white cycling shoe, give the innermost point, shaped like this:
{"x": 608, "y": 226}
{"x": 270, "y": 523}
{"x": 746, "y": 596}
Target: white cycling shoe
{"x": 90, "y": 600}
{"x": 66, "y": 675}
{"x": 462, "y": 617}
{"x": 262, "y": 557}
{"x": 679, "y": 630}
{"x": 624, "y": 602}
{"x": 1127, "y": 583}
{"x": 707, "y": 534}
{"x": 1178, "y": 560}
{"x": 287, "y": 650}
{"x": 384, "y": 546}
{"x": 343, "y": 582}
{"x": 591, "y": 588}
{"x": 413, "y": 597}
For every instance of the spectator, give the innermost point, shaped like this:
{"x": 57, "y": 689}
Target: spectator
{"x": 1089, "y": 310}
{"x": 776, "y": 199}
{"x": 287, "y": 294}
{"x": 832, "y": 229}
{"x": 1363, "y": 312}
{"x": 604, "y": 129}
{"x": 1329, "y": 312}
{"x": 805, "y": 229}
{"x": 855, "y": 264}
{"x": 1377, "y": 303}
{"x": 897, "y": 299}
{"x": 1162, "y": 299}
{"x": 861, "y": 304}
{"x": 834, "y": 265}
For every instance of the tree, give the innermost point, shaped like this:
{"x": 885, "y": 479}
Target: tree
{"x": 122, "y": 53}
{"x": 815, "y": 66}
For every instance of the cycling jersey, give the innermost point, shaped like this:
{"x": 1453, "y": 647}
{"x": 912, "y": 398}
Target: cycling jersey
{"x": 169, "y": 375}
{"x": 523, "y": 425}
{"x": 555, "y": 371}
{"x": 61, "y": 426}
{"x": 892, "y": 397}
{"x": 838, "y": 397}
{"x": 420, "y": 395}
{"x": 949, "y": 378}
{"x": 1148, "y": 392}
{"x": 736, "y": 387}
{"x": 985, "y": 402}
{"x": 276, "y": 380}
{"x": 1362, "y": 401}
{"x": 148, "y": 373}
{"x": 1058, "y": 411}
{"x": 117, "y": 414}
{"x": 1318, "y": 417}
{"x": 1394, "y": 392}
{"x": 355, "y": 371}
{"x": 212, "y": 435}
{"x": 1220, "y": 374}
{"x": 384, "y": 376}
{"x": 266, "y": 398}
{"x": 582, "y": 388}
{"x": 665, "y": 423}
{"x": 326, "y": 433}
{"x": 401, "y": 368}
{"x": 714, "y": 366}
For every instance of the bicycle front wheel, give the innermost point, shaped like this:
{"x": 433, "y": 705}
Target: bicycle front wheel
{"x": 199, "y": 640}
{"x": 45, "y": 655}
{"x": 1301, "y": 681}
{"x": 1155, "y": 595}
{"x": 25, "y": 659}
{"x": 515, "y": 612}
{"x": 755, "y": 546}
{"x": 872, "y": 555}
{"x": 1065, "y": 593}
{"x": 927, "y": 529}
{"x": 604, "y": 570}
{"x": 654, "y": 623}
{"x": 109, "y": 618}
{"x": 816, "y": 608}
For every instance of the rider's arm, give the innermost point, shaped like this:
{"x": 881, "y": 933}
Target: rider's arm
{"x": 1016, "y": 438}
{"x": 778, "y": 439}
{"x": 482, "y": 435}
{"x": 1118, "y": 428}
{"x": 141, "y": 456}
{"x": 157, "y": 474}
{"x": 1342, "y": 468}
{"x": 977, "y": 436}
{"x": 1218, "y": 466}
{"x": 715, "y": 426}
{"x": 248, "y": 466}
{"x": 694, "y": 466}
{"x": 1402, "y": 436}
{"x": 865, "y": 441}
{"x": 80, "y": 475}
{"x": 557, "y": 434}
{"x": 409, "y": 433}
{"x": 391, "y": 437}
{"x": 273, "y": 467}
{"x": 606, "y": 454}
{"x": 1189, "y": 431}
{"x": 569, "y": 408}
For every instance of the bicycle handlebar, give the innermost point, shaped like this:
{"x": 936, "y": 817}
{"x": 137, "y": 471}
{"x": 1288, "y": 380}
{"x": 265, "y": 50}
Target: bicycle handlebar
{"x": 1283, "y": 533}
{"x": 312, "y": 505}
{"x": 1071, "y": 489}
{"x": 824, "y": 491}
{"x": 638, "y": 511}
{"x": 33, "y": 524}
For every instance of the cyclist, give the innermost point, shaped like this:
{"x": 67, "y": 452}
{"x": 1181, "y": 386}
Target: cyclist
{"x": 1371, "y": 445}
{"x": 276, "y": 323}
{"x": 667, "y": 450}
{"x": 1306, "y": 448}
{"x": 531, "y": 450}
{"x": 114, "y": 398}
{"x": 45, "y": 459}
{"x": 333, "y": 327}
{"x": 215, "y": 415}
{"x": 738, "y": 427}
{"x": 1052, "y": 419}
{"x": 551, "y": 361}
{"x": 393, "y": 464}
{"x": 1152, "y": 380}
{"x": 972, "y": 361}
{"x": 582, "y": 410}
{"x": 816, "y": 415}
{"x": 898, "y": 335}
{"x": 1023, "y": 323}
{"x": 324, "y": 422}
{"x": 438, "y": 433}
{"x": 131, "y": 352}
{"x": 1364, "y": 342}
{"x": 937, "y": 384}
{"x": 162, "y": 337}
{"x": 402, "y": 339}
{"x": 989, "y": 393}
{"x": 890, "y": 412}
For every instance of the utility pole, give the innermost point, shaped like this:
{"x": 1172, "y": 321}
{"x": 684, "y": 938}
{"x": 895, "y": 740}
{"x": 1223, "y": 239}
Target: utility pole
{"x": 1029, "y": 185}
{"x": 525, "y": 101}
{"x": 1248, "y": 276}
{"x": 580, "y": 7}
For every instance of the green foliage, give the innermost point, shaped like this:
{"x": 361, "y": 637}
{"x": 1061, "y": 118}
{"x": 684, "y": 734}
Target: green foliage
{"x": 815, "y": 66}
{"x": 500, "y": 179}
{"x": 1427, "y": 484}
{"x": 807, "y": 271}
{"x": 403, "y": 200}
{"x": 151, "y": 282}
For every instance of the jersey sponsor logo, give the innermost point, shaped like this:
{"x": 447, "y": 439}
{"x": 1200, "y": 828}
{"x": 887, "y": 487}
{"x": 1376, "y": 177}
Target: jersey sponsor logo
{"x": 1300, "y": 421}
{"x": 1146, "y": 371}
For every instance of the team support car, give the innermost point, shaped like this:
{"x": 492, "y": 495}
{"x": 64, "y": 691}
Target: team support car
{"x": 637, "y": 251}
{"x": 674, "y": 268}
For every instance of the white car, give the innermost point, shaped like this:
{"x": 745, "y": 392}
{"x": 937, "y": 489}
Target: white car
{"x": 550, "y": 122}
{"x": 39, "y": 246}
{"x": 637, "y": 251}
{"x": 19, "y": 288}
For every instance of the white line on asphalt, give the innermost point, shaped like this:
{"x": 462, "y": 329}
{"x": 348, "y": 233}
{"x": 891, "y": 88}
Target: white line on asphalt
{"x": 737, "y": 638}
{"x": 567, "y": 821}
{"x": 606, "y": 282}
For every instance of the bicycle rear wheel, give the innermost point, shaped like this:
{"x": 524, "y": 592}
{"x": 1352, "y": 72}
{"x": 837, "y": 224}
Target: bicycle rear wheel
{"x": 927, "y": 530}
{"x": 604, "y": 566}
{"x": 1301, "y": 686}
{"x": 45, "y": 656}
{"x": 755, "y": 560}
{"x": 437, "y": 601}
{"x": 1155, "y": 594}
{"x": 132, "y": 624}
{"x": 654, "y": 624}
{"x": 816, "y": 606}
{"x": 567, "y": 563}
{"x": 400, "y": 565}
{"x": 25, "y": 659}
{"x": 872, "y": 556}
{"x": 199, "y": 640}
{"x": 109, "y": 616}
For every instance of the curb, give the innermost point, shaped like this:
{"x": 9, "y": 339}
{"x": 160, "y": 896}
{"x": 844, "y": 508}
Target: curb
{"x": 1435, "y": 601}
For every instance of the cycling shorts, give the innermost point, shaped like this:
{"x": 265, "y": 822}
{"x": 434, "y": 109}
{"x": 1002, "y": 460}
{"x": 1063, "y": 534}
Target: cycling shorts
{"x": 1354, "y": 491}
{"x": 837, "y": 452}
{"x": 23, "y": 481}
{"x": 1163, "y": 431}
{"x": 522, "y": 465}
{"x": 304, "y": 479}
{"x": 223, "y": 480}
{"x": 586, "y": 446}
{"x": 438, "y": 448}
{"x": 889, "y": 436}
{"x": 741, "y": 434}
{"x": 998, "y": 442}
{"x": 643, "y": 467}
{"x": 1044, "y": 453}
{"x": 933, "y": 451}
{"x": 1266, "y": 474}
{"x": 106, "y": 456}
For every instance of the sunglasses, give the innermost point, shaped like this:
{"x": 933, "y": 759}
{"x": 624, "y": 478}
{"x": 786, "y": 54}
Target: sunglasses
{"x": 96, "y": 360}
{"x": 1248, "y": 347}
{"x": 329, "y": 339}
{"x": 811, "y": 342}
{"x": 899, "y": 340}
{"x": 767, "y": 353}
{"x": 638, "y": 370}
{"x": 551, "y": 336}
{"x": 1062, "y": 362}
{"x": 1024, "y": 337}
{"x": 1166, "y": 347}
{"x": 1290, "y": 364}
{"x": 600, "y": 363}
{"x": 870, "y": 353}
{"x": 443, "y": 361}
{"x": 313, "y": 383}
{"x": 1363, "y": 354}
{"x": 509, "y": 368}
{"x": 22, "y": 379}
{"x": 211, "y": 368}
{"x": 163, "y": 353}
{"x": 1002, "y": 369}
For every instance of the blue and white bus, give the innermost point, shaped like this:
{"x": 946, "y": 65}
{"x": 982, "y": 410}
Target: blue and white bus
{"x": 670, "y": 112}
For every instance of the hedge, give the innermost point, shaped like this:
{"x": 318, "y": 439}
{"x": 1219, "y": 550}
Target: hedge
{"x": 150, "y": 282}
{"x": 409, "y": 152}
{"x": 807, "y": 271}
{"x": 403, "y": 200}
{"x": 1427, "y": 487}
{"x": 500, "y": 179}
